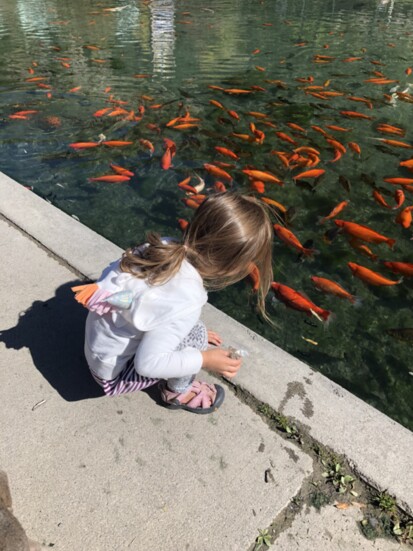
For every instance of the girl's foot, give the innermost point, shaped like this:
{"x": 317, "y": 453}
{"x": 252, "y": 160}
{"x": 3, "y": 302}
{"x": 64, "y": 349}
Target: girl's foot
{"x": 201, "y": 397}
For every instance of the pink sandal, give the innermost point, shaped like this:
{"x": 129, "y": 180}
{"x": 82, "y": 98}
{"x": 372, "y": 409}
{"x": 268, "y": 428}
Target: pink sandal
{"x": 200, "y": 398}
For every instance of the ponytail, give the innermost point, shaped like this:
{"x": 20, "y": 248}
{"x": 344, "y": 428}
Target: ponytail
{"x": 156, "y": 261}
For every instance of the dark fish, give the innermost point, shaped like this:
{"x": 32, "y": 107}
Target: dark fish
{"x": 367, "y": 179}
{"x": 402, "y": 334}
{"x": 331, "y": 234}
{"x": 290, "y": 215}
{"x": 224, "y": 120}
{"x": 386, "y": 150}
{"x": 345, "y": 182}
{"x": 304, "y": 185}
{"x": 184, "y": 93}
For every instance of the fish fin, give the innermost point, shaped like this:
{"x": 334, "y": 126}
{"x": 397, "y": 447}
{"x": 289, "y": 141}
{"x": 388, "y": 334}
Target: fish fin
{"x": 391, "y": 243}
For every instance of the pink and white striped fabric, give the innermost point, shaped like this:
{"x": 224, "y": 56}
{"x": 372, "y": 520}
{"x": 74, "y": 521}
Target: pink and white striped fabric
{"x": 127, "y": 381}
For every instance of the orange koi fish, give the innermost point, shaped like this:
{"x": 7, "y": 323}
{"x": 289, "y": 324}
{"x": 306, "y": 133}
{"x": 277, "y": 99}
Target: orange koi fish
{"x": 286, "y": 138}
{"x": 275, "y": 204}
{"x": 263, "y": 176}
{"x": 338, "y": 128}
{"x": 184, "y": 126}
{"x": 233, "y": 114}
{"x": 255, "y": 278}
{"x": 355, "y": 147}
{"x": 402, "y": 268}
{"x": 370, "y": 277}
{"x": 84, "y": 145}
{"x": 290, "y": 239}
{"x": 102, "y": 112}
{"x": 320, "y": 130}
{"x": 308, "y": 150}
{"x": 363, "y": 249}
{"x": 257, "y": 114}
{"x": 332, "y": 288}
{"x": 364, "y": 233}
{"x": 389, "y": 129}
{"x": 122, "y": 171}
{"x": 75, "y": 89}
{"x": 404, "y": 217}
{"x": 166, "y": 160}
{"x": 399, "y": 181}
{"x": 220, "y": 187}
{"x": 362, "y": 100}
{"x": 117, "y": 143}
{"x": 380, "y": 81}
{"x": 237, "y": 91}
{"x": 408, "y": 163}
{"x": 35, "y": 79}
{"x": 25, "y": 113}
{"x": 110, "y": 178}
{"x": 336, "y": 210}
{"x": 336, "y": 145}
{"x": 148, "y": 145}
{"x": 258, "y": 186}
{"x": 245, "y": 137}
{"x": 378, "y": 197}
{"x": 351, "y": 59}
{"x": 216, "y": 104}
{"x": 183, "y": 224}
{"x": 355, "y": 115}
{"x": 399, "y": 197}
{"x": 396, "y": 143}
{"x": 296, "y": 127}
{"x": 226, "y": 152}
{"x": 315, "y": 173}
{"x": 295, "y": 300}
{"x": 191, "y": 203}
{"x": 218, "y": 172}
{"x": 408, "y": 71}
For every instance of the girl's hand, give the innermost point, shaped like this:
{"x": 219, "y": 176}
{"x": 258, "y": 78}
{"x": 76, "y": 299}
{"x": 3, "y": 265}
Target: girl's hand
{"x": 214, "y": 338}
{"x": 218, "y": 361}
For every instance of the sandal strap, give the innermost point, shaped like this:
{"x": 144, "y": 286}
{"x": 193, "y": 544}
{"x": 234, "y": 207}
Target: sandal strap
{"x": 205, "y": 395}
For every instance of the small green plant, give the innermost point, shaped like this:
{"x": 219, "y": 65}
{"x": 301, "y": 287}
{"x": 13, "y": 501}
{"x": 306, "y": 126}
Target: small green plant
{"x": 264, "y": 538}
{"x": 282, "y": 423}
{"x": 341, "y": 481}
{"x": 385, "y": 501}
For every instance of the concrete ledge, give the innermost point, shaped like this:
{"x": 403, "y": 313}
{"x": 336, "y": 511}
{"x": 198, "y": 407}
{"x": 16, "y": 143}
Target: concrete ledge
{"x": 379, "y": 448}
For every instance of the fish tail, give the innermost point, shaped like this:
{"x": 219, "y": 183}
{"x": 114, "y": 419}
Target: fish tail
{"x": 310, "y": 252}
{"x": 391, "y": 243}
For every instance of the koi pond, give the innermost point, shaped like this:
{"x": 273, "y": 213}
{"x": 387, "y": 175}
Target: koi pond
{"x": 283, "y": 87}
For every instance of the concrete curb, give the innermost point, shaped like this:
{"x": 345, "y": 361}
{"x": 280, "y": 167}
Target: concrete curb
{"x": 378, "y": 448}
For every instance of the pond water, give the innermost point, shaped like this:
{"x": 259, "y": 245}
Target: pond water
{"x": 300, "y": 62}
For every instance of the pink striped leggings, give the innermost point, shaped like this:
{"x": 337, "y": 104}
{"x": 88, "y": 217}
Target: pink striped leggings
{"x": 129, "y": 380}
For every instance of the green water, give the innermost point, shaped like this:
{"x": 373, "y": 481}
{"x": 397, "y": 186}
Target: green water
{"x": 183, "y": 47}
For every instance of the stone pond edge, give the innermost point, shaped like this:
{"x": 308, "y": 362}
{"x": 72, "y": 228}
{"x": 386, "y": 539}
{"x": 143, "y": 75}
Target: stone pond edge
{"x": 378, "y": 448}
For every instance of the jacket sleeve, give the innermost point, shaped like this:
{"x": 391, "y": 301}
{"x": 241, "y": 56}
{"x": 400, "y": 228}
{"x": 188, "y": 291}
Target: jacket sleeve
{"x": 157, "y": 357}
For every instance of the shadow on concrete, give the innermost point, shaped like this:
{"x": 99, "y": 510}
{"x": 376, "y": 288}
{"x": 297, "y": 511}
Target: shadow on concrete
{"x": 53, "y": 331}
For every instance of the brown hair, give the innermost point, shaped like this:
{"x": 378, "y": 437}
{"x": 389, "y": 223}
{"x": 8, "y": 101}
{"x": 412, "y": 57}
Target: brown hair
{"x": 228, "y": 234}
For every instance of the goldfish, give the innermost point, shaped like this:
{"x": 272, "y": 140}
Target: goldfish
{"x": 255, "y": 278}
{"x": 275, "y": 204}
{"x": 402, "y": 268}
{"x": 148, "y": 145}
{"x": 381, "y": 81}
{"x": 296, "y": 127}
{"x": 84, "y": 145}
{"x": 362, "y": 100}
{"x": 389, "y": 129}
{"x": 395, "y": 143}
{"x": 408, "y": 163}
{"x": 399, "y": 197}
{"x": 290, "y": 239}
{"x": 166, "y": 160}
{"x": 218, "y": 172}
{"x": 351, "y": 59}
{"x": 404, "y": 217}
{"x": 102, "y": 112}
{"x": 183, "y": 224}
{"x": 110, "y": 178}
{"x": 378, "y": 197}
{"x": 370, "y": 277}
{"x": 363, "y": 249}
{"x": 295, "y": 300}
{"x": 336, "y": 145}
{"x": 35, "y": 79}
{"x": 332, "y": 288}
{"x": 309, "y": 174}
{"x": 399, "y": 181}
{"x": 257, "y": 114}
{"x": 117, "y": 143}
{"x": 220, "y": 187}
{"x": 356, "y": 115}
{"x": 263, "y": 176}
{"x": 258, "y": 186}
{"x": 408, "y": 71}
{"x": 336, "y": 210}
{"x": 75, "y": 89}
{"x": 226, "y": 152}
{"x": 354, "y": 147}
{"x": 25, "y": 113}
{"x": 364, "y": 233}
{"x": 286, "y": 138}
{"x": 122, "y": 171}
{"x": 216, "y": 104}
{"x": 259, "y": 68}
{"x": 245, "y": 137}
{"x": 237, "y": 91}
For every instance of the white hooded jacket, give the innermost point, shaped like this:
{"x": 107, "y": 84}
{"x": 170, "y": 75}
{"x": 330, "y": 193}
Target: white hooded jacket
{"x": 159, "y": 318}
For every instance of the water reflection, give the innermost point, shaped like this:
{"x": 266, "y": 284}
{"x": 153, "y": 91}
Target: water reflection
{"x": 163, "y": 37}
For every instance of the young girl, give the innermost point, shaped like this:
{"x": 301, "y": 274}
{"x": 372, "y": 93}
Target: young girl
{"x": 143, "y": 325}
